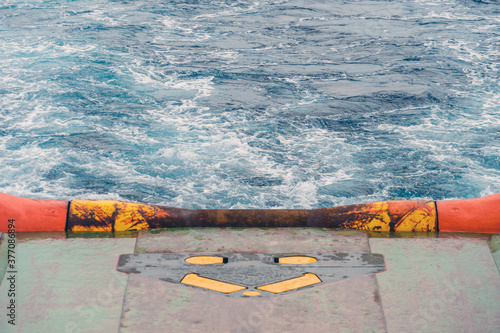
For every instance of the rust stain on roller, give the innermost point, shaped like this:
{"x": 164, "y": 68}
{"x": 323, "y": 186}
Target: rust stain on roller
{"x": 108, "y": 215}
{"x": 103, "y": 215}
{"x": 385, "y": 216}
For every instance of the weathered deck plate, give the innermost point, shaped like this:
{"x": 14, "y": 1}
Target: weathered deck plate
{"x": 351, "y": 305}
{"x": 251, "y": 274}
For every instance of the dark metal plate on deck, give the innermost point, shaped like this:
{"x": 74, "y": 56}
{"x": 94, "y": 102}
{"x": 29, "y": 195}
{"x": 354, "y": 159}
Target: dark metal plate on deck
{"x": 251, "y": 274}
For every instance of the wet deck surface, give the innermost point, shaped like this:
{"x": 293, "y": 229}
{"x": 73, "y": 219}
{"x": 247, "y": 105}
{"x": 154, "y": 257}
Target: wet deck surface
{"x": 445, "y": 284}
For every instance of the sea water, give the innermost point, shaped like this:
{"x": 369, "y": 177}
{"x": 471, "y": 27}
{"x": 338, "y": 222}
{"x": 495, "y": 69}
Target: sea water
{"x": 250, "y": 104}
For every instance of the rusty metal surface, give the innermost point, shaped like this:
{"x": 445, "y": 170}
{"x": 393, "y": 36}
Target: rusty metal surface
{"x": 110, "y": 216}
{"x": 352, "y": 305}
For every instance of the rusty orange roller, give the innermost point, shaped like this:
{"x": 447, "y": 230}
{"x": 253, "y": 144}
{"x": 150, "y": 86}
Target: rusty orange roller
{"x": 480, "y": 215}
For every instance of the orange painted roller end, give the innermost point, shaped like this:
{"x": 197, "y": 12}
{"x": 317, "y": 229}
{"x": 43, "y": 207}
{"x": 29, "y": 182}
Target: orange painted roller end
{"x": 472, "y": 215}
{"x": 32, "y": 214}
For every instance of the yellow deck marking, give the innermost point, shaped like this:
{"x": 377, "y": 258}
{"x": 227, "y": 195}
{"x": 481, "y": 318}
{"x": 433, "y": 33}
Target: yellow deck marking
{"x": 204, "y": 260}
{"x": 291, "y": 284}
{"x": 199, "y": 281}
{"x": 297, "y": 260}
{"x": 251, "y": 293}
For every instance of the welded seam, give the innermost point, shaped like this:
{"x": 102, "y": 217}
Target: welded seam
{"x": 380, "y": 298}
{"x": 122, "y": 313}
{"x": 437, "y": 216}
{"x": 66, "y": 227}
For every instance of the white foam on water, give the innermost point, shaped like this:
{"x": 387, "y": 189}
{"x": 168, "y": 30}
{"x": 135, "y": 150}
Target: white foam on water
{"x": 172, "y": 109}
{"x": 101, "y": 15}
{"x": 169, "y": 22}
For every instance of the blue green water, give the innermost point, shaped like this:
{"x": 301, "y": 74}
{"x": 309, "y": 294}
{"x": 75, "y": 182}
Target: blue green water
{"x": 250, "y": 104}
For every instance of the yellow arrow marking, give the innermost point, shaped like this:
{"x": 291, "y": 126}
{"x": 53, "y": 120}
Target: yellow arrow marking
{"x": 291, "y": 284}
{"x": 199, "y": 281}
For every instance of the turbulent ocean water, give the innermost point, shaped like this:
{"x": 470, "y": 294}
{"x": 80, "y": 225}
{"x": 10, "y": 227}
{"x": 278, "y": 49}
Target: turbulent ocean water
{"x": 250, "y": 104}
